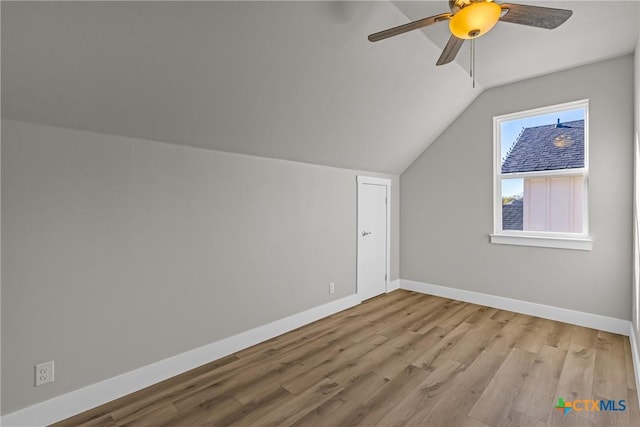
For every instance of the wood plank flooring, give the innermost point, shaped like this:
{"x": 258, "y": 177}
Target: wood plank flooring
{"x": 401, "y": 359}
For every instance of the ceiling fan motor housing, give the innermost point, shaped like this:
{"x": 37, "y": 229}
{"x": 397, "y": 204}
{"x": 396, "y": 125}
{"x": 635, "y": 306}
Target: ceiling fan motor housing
{"x": 456, "y": 5}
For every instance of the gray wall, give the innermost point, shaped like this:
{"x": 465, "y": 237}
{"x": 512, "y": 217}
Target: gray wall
{"x": 636, "y": 297}
{"x": 120, "y": 252}
{"x": 446, "y": 201}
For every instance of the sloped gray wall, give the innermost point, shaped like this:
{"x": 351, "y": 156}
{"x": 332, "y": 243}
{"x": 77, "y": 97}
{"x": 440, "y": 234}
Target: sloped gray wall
{"x": 295, "y": 80}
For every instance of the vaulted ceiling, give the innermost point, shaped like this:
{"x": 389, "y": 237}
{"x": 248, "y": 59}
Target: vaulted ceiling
{"x": 288, "y": 80}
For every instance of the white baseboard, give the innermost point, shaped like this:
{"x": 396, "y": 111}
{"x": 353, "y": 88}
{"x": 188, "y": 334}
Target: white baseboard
{"x": 393, "y": 285}
{"x": 77, "y": 401}
{"x": 595, "y": 321}
{"x": 635, "y": 355}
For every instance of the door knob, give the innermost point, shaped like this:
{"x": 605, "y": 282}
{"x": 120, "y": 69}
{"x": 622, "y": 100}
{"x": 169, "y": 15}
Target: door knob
{"x": 365, "y": 233}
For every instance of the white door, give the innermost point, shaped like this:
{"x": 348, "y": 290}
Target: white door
{"x": 372, "y": 237}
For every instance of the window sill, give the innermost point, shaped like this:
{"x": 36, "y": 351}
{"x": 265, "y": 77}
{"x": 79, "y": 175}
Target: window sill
{"x": 576, "y": 243}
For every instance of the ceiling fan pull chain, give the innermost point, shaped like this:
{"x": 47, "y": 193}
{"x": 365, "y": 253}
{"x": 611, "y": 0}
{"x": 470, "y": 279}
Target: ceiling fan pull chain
{"x": 472, "y": 67}
{"x": 471, "y": 59}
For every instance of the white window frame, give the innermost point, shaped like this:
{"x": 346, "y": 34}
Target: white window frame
{"x": 547, "y": 239}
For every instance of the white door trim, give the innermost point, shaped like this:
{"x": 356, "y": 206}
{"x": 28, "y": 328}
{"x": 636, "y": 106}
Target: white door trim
{"x": 360, "y": 179}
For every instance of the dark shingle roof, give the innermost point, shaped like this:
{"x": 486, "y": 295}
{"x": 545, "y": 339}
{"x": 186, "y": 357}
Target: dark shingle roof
{"x": 512, "y": 215}
{"x": 548, "y": 147}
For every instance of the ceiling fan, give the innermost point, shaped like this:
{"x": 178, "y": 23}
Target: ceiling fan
{"x": 470, "y": 19}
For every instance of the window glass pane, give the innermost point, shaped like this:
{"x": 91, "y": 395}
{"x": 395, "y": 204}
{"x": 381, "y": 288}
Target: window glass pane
{"x": 550, "y": 204}
{"x": 553, "y": 204}
{"x": 512, "y": 203}
{"x": 546, "y": 142}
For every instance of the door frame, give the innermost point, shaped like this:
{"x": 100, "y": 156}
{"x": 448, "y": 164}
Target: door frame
{"x": 368, "y": 180}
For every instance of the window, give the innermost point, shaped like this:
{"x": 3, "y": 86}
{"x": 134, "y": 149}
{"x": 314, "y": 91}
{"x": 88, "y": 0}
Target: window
{"x": 541, "y": 177}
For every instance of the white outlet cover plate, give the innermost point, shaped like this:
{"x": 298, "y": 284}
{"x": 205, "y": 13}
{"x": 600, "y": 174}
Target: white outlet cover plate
{"x": 44, "y": 373}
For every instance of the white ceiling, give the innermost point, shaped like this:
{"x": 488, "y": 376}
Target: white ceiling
{"x": 289, "y": 80}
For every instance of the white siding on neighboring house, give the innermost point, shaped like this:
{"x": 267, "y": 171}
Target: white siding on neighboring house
{"x": 553, "y": 204}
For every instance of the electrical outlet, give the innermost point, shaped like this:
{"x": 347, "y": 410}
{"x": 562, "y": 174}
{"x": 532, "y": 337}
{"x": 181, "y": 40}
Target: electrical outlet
{"x": 332, "y": 287}
{"x": 44, "y": 373}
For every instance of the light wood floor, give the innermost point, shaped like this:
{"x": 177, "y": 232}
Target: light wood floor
{"x": 398, "y": 359}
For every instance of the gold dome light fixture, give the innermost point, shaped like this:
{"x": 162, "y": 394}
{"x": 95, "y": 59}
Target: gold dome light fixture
{"x": 470, "y": 19}
{"x": 474, "y": 19}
